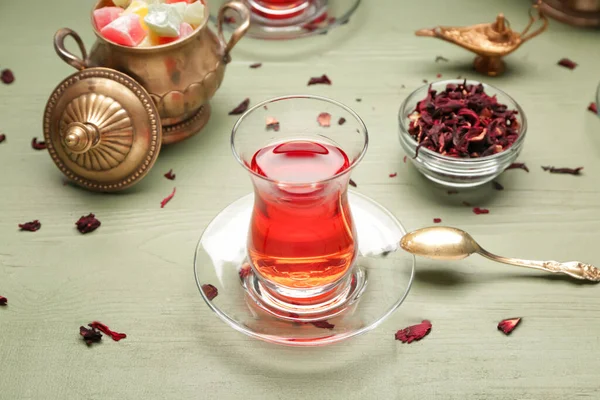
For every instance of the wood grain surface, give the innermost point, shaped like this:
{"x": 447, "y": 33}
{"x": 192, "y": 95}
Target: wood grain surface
{"x": 135, "y": 272}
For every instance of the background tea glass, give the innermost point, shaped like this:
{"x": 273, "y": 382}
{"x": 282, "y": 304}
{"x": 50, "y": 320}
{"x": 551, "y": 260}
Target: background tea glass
{"x": 302, "y": 242}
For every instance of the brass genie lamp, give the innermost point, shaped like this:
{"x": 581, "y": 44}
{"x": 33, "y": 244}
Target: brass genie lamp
{"x": 490, "y": 41}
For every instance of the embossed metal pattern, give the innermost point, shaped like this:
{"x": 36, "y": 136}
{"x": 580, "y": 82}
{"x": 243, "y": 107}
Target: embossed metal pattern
{"x": 129, "y": 130}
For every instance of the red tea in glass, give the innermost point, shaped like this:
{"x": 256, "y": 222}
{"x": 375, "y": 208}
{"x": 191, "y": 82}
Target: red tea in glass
{"x": 302, "y": 234}
{"x": 302, "y": 243}
{"x": 279, "y": 9}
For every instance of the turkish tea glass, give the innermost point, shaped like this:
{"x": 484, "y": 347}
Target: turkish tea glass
{"x": 299, "y": 152}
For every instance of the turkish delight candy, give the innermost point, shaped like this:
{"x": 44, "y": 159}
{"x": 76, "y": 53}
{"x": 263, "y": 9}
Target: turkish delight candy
{"x": 126, "y": 30}
{"x": 163, "y": 20}
{"x": 105, "y": 15}
{"x": 194, "y": 13}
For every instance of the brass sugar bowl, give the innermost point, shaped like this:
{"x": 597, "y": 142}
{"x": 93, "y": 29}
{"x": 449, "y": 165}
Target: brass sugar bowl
{"x": 104, "y": 125}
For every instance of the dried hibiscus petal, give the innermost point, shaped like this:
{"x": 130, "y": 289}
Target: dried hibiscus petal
{"x": 508, "y": 325}
{"x": 319, "y": 80}
{"x": 323, "y": 325}
{"x": 241, "y": 108}
{"x": 170, "y": 175}
{"x": 31, "y": 226}
{"x": 352, "y": 183}
{"x": 565, "y": 62}
{"x": 497, "y": 185}
{"x": 255, "y": 65}
{"x": 593, "y": 107}
{"x": 393, "y": 175}
{"x": 415, "y": 332}
{"x": 116, "y": 336}
{"x": 229, "y": 20}
{"x": 466, "y": 204}
{"x": 342, "y": 121}
{"x": 38, "y": 145}
{"x": 272, "y": 124}
{"x": 440, "y": 58}
{"x": 6, "y": 76}
{"x": 479, "y": 211}
{"x": 438, "y": 76}
{"x": 324, "y": 119}
{"x": 2, "y": 137}
{"x": 437, "y": 220}
{"x": 571, "y": 171}
{"x": 518, "y": 166}
{"x": 167, "y": 199}
{"x": 404, "y": 159}
{"x": 90, "y": 335}
{"x": 87, "y": 223}
{"x": 245, "y": 271}
{"x": 452, "y": 191}
{"x": 210, "y": 291}
{"x": 3, "y": 301}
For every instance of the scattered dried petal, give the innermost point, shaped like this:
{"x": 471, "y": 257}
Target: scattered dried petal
{"x": 320, "y": 80}
{"x": 116, "y": 336}
{"x": 31, "y": 226}
{"x": 3, "y": 301}
{"x": 508, "y": 325}
{"x": 415, "y": 332}
{"x": 245, "y": 271}
{"x": 324, "y": 119}
{"x": 6, "y": 76}
{"x": 437, "y": 220}
{"x": 352, "y": 183}
{"x": 88, "y": 223}
{"x": 272, "y": 124}
{"x": 497, "y": 185}
{"x": 241, "y": 108}
{"x": 593, "y": 107}
{"x": 164, "y": 201}
{"x": 323, "y": 325}
{"x": 440, "y": 58}
{"x": 519, "y": 166}
{"x": 170, "y": 175}
{"x": 90, "y": 335}
{"x": 479, "y": 211}
{"x": 393, "y": 175}
{"x": 425, "y": 81}
{"x": 571, "y": 171}
{"x": 2, "y": 137}
{"x": 255, "y": 65}
{"x": 342, "y": 121}
{"x": 358, "y": 100}
{"x": 452, "y": 191}
{"x": 38, "y": 145}
{"x": 210, "y": 291}
{"x": 466, "y": 204}
{"x": 404, "y": 159}
{"x": 229, "y": 20}
{"x": 565, "y": 62}
{"x": 438, "y": 76}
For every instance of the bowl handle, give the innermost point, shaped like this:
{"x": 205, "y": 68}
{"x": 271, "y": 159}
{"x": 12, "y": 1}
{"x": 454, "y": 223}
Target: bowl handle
{"x": 68, "y": 57}
{"x": 239, "y": 32}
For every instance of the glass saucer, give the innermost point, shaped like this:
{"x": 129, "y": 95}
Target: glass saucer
{"x": 318, "y": 18}
{"x": 380, "y": 281}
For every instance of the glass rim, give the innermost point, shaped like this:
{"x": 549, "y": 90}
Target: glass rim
{"x": 353, "y": 164}
{"x": 466, "y": 161}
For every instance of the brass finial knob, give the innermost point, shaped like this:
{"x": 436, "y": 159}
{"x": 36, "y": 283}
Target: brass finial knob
{"x": 80, "y": 137}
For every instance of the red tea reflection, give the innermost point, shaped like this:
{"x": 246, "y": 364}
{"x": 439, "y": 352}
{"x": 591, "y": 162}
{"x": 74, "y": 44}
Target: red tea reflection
{"x": 302, "y": 234}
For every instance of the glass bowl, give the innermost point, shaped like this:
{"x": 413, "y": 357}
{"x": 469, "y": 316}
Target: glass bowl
{"x": 452, "y": 171}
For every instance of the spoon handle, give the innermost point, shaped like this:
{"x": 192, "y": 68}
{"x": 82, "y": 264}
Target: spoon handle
{"x": 574, "y": 269}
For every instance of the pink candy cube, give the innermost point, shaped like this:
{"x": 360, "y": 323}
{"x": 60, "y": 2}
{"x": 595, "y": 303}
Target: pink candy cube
{"x": 105, "y": 15}
{"x": 126, "y": 30}
{"x": 185, "y": 30}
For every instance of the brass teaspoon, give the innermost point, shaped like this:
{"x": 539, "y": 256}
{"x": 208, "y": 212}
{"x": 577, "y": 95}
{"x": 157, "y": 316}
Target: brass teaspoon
{"x": 445, "y": 243}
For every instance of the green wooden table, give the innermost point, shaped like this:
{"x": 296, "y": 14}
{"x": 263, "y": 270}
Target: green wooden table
{"x": 135, "y": 272}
